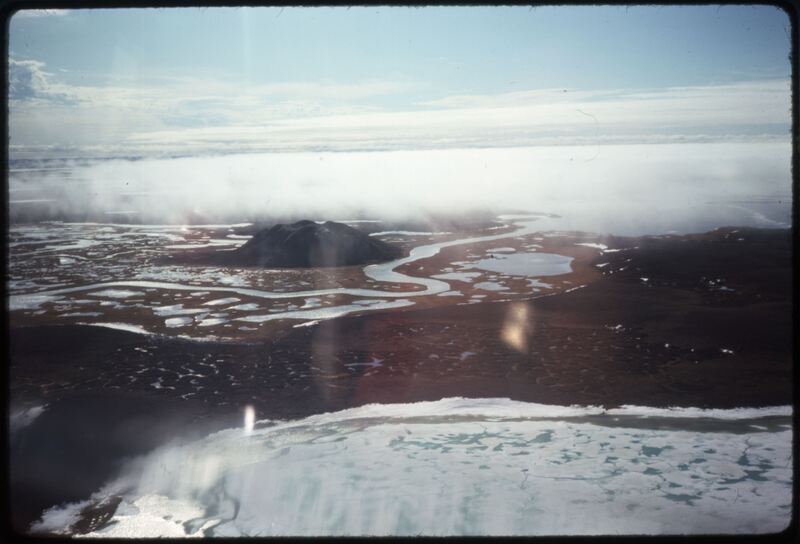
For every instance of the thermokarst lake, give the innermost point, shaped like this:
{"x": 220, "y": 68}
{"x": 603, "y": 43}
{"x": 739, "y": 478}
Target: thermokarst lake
{"x": 428, "y": 305}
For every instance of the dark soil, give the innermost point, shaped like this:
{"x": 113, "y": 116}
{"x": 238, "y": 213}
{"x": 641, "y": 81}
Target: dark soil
{"x": 702, "y": 320}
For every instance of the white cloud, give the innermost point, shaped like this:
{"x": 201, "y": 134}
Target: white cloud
{"x": 611, "y": 189}
{"x": 761, "y": 102}
{"x": 47, "y": 111}
{"x": 134, "y": 115}
{"x": 718, "y": 113}
{"x": 28, "y": 80}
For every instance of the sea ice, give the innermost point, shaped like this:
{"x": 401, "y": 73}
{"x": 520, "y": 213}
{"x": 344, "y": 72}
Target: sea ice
{"x": 467, "y": 467}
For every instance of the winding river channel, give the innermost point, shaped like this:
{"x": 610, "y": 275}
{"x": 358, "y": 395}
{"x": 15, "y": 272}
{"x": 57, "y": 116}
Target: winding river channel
{"x": 383, "y": 272}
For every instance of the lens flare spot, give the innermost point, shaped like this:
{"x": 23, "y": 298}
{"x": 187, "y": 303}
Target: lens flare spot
{"x": 249, "y": 418}
{"x": 516, "y": 327}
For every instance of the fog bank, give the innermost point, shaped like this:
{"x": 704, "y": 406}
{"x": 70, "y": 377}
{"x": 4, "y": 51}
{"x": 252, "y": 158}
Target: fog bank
{"x": 608, "y": 183}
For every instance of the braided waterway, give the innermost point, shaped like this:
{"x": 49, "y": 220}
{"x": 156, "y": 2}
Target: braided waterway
{"x": 543, "y": 264}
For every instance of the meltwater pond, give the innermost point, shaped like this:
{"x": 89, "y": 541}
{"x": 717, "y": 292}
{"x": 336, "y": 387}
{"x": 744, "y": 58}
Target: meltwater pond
{"x": 526, "y": 264}
{"x": 465, "y": 467}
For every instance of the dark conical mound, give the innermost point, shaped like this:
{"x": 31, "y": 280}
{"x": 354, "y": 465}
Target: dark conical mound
{"x": 310, "y": 244}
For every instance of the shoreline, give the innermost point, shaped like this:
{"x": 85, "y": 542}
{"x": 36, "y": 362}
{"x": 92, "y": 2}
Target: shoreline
{"x": 676, "y": 339}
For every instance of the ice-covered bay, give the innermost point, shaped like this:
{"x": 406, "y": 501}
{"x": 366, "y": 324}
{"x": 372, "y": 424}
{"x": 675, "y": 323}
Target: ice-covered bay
{"x": 467, "y": 467}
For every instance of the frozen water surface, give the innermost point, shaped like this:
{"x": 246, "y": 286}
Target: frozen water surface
{"x": 601, "y": 247}
{"x": 328, "y": 312}
{"x": 245, "y": 307}
{"x": 212, "y": 321}
{"x": 22, "y": 417}
{"x": 175, "y": 309}
{"x": 229, "y": 282}
{"x": 468, "y": 467}
{"x": 526, "y": 264}
{"x": 450, "y": 294}
{"x": 121, "y": 327}
{"x": 407, "y": 233}
{"x": 460, "y": 276}
{"x": 28, "y": 302}
{"x": 117, "y": 293}
{"x": 221, "y": 301}
{"x": 110, "y": 275}
{"x": 490, "y": 286}
{"x": 173, "y": 322}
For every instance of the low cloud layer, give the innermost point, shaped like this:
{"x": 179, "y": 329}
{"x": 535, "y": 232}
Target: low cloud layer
{"x": 592, "y": 186}
{"x": 130, "y": 116}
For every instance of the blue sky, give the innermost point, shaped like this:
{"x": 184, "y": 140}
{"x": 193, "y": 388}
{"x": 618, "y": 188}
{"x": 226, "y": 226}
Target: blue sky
{"x": 227, "y": 78}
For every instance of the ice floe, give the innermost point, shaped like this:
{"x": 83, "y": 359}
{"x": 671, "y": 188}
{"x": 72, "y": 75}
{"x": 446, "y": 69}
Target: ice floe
{"x": 173, "y": 322}
{"x": 465, "y": 467}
